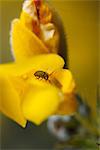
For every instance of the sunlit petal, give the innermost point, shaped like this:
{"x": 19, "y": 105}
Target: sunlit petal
{"x": 40, "y": 103}
{"x": 65, "y": 78}
{"x": 10, "y": 102}
{"x": 25, "y": 43}
{"x": 45, "y": 62}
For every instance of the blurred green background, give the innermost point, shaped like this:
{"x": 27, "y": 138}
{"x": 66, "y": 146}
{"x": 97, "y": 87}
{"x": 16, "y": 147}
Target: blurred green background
{"x": 81, "y": 23}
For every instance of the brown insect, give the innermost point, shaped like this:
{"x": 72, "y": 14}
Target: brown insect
{"x": 41, "y": 75}
{"x": 44, "y": 75}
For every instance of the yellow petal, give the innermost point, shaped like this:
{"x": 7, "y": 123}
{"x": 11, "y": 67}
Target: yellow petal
{"x": 64, "y": 77}
{"x": 44, "y": 62}
{"x": 26, "y": 20}
{"x": 67, "y": 84}
{"x": 44, "y": 29}
{"x": 24, "y": 42}
{"x": 40, "y": 103}
{"x": 10, "y": 103}
{"x": 30, "y": 23}
{"x": 68, "y": 106}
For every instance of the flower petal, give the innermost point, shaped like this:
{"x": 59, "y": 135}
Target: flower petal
{"x": 68, "y": 106}
{"x": 67, "y": 84}
{"x": 42, "y": 26}
{"x": 29, "y": 23}
{"x": 26, "y": 20}
{"x": 25, "y": 43}
{"x": 45, "y": 62}
{"x": 64, "y": 77}
{"x": 10, "y": 103}
{"x": 40, "y": 103}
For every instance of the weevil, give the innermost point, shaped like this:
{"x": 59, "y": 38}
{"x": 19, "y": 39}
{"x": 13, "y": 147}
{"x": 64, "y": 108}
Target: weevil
{"x": 41, "y": 75}
{"x": 46, "y": 76}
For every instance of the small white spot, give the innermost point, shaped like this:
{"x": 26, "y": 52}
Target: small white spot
{"x": 29, "y": 7}
{"x": 47, "y": 31}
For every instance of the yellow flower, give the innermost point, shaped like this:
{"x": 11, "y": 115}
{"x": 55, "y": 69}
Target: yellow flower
{"x": 35, "y": 86}
{"x": 27, "y": 95}
{"x": 32, "y": 34}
